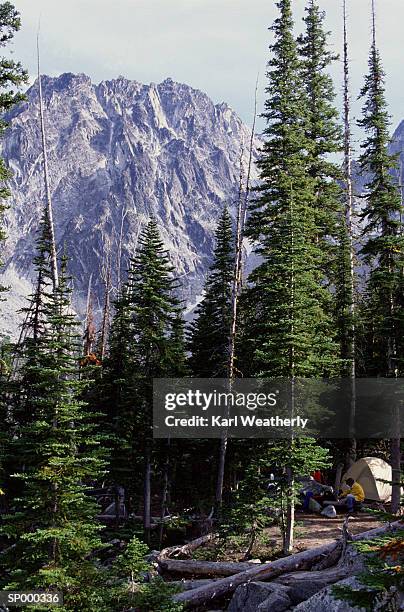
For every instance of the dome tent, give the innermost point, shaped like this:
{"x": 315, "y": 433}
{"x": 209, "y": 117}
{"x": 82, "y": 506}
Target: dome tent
{"x": 369, "y": 472}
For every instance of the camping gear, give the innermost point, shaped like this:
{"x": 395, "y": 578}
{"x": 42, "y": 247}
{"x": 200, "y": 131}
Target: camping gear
{"x": 318, "y": 489}
{"x": 329, "y": 511}
{"x": 369, "y": 472}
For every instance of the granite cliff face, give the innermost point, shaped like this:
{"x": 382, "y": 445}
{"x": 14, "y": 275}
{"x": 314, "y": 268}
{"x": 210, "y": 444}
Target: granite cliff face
{"x": 119, "y": 152}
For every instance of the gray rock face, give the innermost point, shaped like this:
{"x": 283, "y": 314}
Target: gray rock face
{"x": 262, "y": 596}
{"x": 324, "y": 601}
{"x": 119, "y": 152}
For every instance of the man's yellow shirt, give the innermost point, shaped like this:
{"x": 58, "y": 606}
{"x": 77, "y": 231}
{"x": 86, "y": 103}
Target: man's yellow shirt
{"x": 357, "y": 491}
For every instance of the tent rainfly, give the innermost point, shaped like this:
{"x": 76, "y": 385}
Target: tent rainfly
{"x": 369, "y": 472}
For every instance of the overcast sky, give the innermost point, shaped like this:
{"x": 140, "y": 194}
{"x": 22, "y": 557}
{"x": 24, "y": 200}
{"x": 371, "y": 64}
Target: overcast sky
{"x": 217, "y": 46}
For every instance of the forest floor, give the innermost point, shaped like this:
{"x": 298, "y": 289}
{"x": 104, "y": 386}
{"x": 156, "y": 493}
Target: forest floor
{"x": 314, "y": 530}
{"x": 311, "y": 530}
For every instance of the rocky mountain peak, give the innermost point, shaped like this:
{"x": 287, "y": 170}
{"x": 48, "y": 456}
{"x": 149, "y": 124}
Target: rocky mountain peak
{"x": 119, "y": 151}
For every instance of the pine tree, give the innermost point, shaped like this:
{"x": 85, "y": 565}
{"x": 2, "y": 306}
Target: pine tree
{"x": 12, "y": 76}
{"x": 290, "y": 328}
{"x": 322, "y": 130}
{"x": 210, "y": 338}
{"x": 146, "y": 343}
{"x": 16, "y": 392}
{"x": 291, "y": 331}
{"x": 154, "y": 308}
{"x": 209, "y": 332}
{"x": 346, "y": 283}
{"x": 52, "y": 521}
{"x": 383, "y": 251}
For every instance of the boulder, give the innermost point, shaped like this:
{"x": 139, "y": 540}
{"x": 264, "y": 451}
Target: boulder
{"x": 303, "y": 585}
{"x": 262, "y": 596}
{"x": 329, "y": 511}
{"x": 324, "y": 601}
{"x": 277, "y": 602}
{"x": 301, "y": 590}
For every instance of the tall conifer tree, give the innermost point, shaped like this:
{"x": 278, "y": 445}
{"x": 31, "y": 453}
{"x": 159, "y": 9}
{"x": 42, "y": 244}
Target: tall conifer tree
{"x": 209, "y": 332}
{"x": 12, "y": 76}
{"x": 52, "y": 521}
{"x": 322, "y": 130}
{"x": 291, "y": 331}
{"x": 291, "y": 328}
{"x": 346, "y": 286}
{"x": 155, "y": 309}
{"x": 383, "y": 251}
{"x": 146, "y": 343}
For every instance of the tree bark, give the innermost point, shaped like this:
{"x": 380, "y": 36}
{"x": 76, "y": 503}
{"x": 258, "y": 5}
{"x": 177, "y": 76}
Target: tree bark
{"x": 290, "y": 515}
{"x": 49, "y": 206}
{"x": 395, "y": 459}
{"x": 147, "y": 495}
{"x": 237, "y": 278}
{"x": 203, "y": 568}
{"x": 186, "y": 549}
{"x": 349, "y": 211}
{"x": 164, "y": 497}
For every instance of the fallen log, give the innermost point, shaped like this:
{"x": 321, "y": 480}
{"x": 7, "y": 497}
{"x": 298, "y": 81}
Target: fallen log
{"x": 189, "y": 585}
{"x": 203, "y": 568}
{"x": 260, "y": 572}
{"x": 325, "y": 576}
{"x": 267, "y": 571}
{"x": 186, "y": 549}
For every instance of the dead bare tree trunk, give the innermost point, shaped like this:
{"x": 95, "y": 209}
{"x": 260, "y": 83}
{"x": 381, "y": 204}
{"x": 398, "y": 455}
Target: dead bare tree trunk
{"x": 89, "y": 329}
{"x": 288, "y": 533}
{"x": 242, "y": 207}
{"x": 232, "y": 334}
{"x": 147, "y": 494}
{"x": 107, "y": 278}
{"x": 166, "y": 485}
{"x": 207, "y": 594}
{"x": 49, "y": 208}
{"x": 349, "y": 212}
{"x": 119, "y": 253}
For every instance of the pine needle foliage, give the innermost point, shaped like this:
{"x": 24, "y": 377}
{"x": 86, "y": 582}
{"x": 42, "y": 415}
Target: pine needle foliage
{"x": 146, "y": 342}
{"x": 322, "y": 130}
{"x": 52, "y": 522}
{"x": 291, "y": 330}
{"x": 209, "y": 332}
{"x": 383, "y": 251}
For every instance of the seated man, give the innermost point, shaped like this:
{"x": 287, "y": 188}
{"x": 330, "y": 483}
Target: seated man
{"x": 354, "y": 496}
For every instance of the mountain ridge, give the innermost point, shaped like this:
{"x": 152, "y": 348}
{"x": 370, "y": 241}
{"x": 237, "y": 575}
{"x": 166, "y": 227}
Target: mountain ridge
{"x": 119, "y": 152}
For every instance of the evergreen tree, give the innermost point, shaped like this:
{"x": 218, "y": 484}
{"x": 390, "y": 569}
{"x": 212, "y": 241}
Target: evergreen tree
{"x": 291, "y": 331}
{"x": 52, "y": 521}
{"x": 383, "y": 251}
{"x": 20, "y": 385}
{"x": 154, "y": 309}
{"x": 322, "y": 131}
{"x": 146, "y": 342}
{"x": 290, "y": 326}
{"x": 346, "y": 292}
{"x": 12, "y": 76}
{"x": 209, "y": 332}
